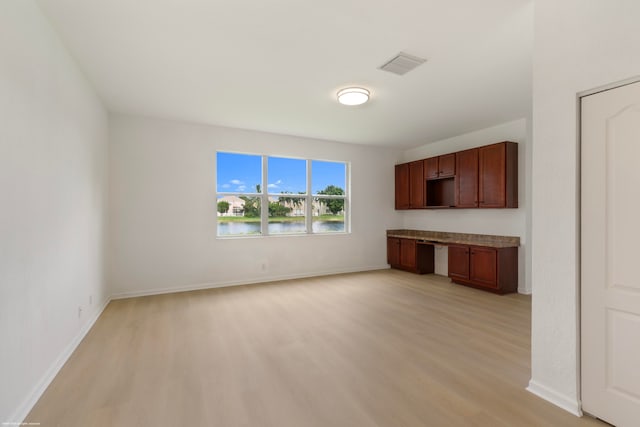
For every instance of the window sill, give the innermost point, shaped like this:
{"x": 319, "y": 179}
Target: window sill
{"x": 283, "y": 235}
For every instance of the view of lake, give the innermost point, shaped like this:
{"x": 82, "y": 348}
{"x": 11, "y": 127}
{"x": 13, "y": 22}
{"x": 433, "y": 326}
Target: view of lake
{"x": 241, "y": 228}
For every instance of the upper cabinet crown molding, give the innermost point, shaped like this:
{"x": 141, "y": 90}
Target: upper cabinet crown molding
{"x": 482, "y": 177}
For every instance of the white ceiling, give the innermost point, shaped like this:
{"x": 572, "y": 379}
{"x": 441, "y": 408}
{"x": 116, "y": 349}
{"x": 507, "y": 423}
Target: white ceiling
{"x": 276, "y": 65}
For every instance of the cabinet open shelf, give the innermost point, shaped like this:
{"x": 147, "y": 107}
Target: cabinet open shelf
{"x": 440, "y": 193}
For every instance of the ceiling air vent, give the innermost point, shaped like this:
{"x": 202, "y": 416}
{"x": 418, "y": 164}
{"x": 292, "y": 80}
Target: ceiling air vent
{"x": 402, "y": 63}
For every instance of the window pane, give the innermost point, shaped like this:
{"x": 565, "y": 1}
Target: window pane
{"x": 287, "y": 215}
{"x": 328, "y": 177}
{"x": 238, "y": 215}
{"x": 328, "y": 215}
{"x": 238, "y": 173}
{"x": 287, "y": 176}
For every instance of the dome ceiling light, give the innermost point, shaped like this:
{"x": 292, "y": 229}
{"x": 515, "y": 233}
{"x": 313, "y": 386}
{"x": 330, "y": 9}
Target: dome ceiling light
{"x": 353, "y": 96}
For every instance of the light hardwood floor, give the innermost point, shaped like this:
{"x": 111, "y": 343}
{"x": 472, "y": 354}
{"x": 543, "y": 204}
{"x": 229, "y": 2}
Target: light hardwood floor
{"x": 383, "y": 348}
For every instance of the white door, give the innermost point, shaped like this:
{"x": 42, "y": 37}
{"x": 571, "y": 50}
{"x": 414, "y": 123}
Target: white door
{"x": 610, "y": 255}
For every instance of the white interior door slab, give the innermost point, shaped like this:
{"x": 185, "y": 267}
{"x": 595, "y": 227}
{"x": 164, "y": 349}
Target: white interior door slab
{"x": 610, "y": 255}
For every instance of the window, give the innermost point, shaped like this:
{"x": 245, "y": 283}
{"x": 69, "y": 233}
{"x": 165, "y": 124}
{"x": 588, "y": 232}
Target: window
{"x": 299, "y": 196}
{"x": 239, "y": 194}
{"x": 287, "y": 189}
{"x": 329, "y": 180}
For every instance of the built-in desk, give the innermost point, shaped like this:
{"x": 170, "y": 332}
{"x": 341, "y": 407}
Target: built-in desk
{"x": 482, "y": 261}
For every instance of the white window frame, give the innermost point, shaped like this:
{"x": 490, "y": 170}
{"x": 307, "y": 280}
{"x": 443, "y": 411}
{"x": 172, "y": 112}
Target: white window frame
{"x": 308, "y": 197}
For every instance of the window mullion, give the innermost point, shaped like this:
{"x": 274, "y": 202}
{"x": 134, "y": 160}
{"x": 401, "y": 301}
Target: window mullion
{"x": 347, "y": 198}
{"x": 309, "y": 201}
{"x": 264, "y": 199}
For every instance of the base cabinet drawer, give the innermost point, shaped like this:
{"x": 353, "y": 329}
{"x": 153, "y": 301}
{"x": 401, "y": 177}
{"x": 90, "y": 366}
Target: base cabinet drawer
{"x": 492, "y": 269}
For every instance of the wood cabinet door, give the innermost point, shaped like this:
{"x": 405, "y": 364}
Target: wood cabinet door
{"x": 408, "y": 253}
{"x": 416, "y": 185}
{"x": 447, "y": 165}
{"x": 466, "y": 186}
{"x": 393, "y": 251}
{"x": 402, "y": 186}
{"x": 431, "y": 170}
{"x": 484, "y": 267}
{"x": 492, "y": 176}
{"x": 459, "y": 262}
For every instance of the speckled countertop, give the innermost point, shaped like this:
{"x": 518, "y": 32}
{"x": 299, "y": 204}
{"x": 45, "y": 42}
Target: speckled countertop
{"x": 444, "y": 238}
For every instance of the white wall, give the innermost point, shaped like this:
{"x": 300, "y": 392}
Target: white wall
{"x": 579, "y": 46}
{"x": 506, "y": 222}
{"x": 163, "y": 209}
{"x": 53, "y": 142}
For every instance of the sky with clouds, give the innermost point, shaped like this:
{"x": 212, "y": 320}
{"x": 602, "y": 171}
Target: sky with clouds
{"x": 240, "y": 173}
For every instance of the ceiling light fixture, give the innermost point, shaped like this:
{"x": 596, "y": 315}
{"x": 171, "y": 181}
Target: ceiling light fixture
{"x": 353, "y": 96}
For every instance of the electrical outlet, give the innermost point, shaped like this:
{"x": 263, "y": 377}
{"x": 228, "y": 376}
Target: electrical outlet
{"x": 90, "y": 299}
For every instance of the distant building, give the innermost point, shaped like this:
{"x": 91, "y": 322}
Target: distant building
{"x": 236, "y": 206}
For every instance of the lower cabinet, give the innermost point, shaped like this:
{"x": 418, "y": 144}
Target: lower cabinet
{"x": 459, "y": 262}
{"x": 409, "y": 255}
{"x": 492, "y": 269}
{"x": 488, "y": 268}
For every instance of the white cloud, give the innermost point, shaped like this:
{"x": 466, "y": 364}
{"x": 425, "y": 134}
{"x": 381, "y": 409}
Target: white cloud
{"x": 236, "y": 182}
{"x": 241, "y": 187}
{"x": 275, "y": 184}
{"x": 225, "y": 186}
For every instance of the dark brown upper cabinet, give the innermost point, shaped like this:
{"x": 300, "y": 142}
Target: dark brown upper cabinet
{"x": 439, "y": 178}
{"x": 410, "y": 191}
{"x": 483, "y": 177}
{"x": 447, "y": 165}
{"x": 498, "y": 175}
{"x": 402, "y": 186}
{"x": 466, "y": 186}
{"x": 431, "y": 168}
{"x": 440, "y": 167}
{"x": 416, "y": 185}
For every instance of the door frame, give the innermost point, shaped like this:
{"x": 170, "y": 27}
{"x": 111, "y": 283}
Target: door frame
{"x": 579, "y": 96}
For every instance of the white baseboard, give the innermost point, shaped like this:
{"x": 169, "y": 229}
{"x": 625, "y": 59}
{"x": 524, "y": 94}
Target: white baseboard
{"x": 32, "y": 398}
{"x": 565, "y": 402}
{"x": 264, "y": 279}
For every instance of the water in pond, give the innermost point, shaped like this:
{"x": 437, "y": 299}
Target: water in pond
{"x": 243, "y": 228}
